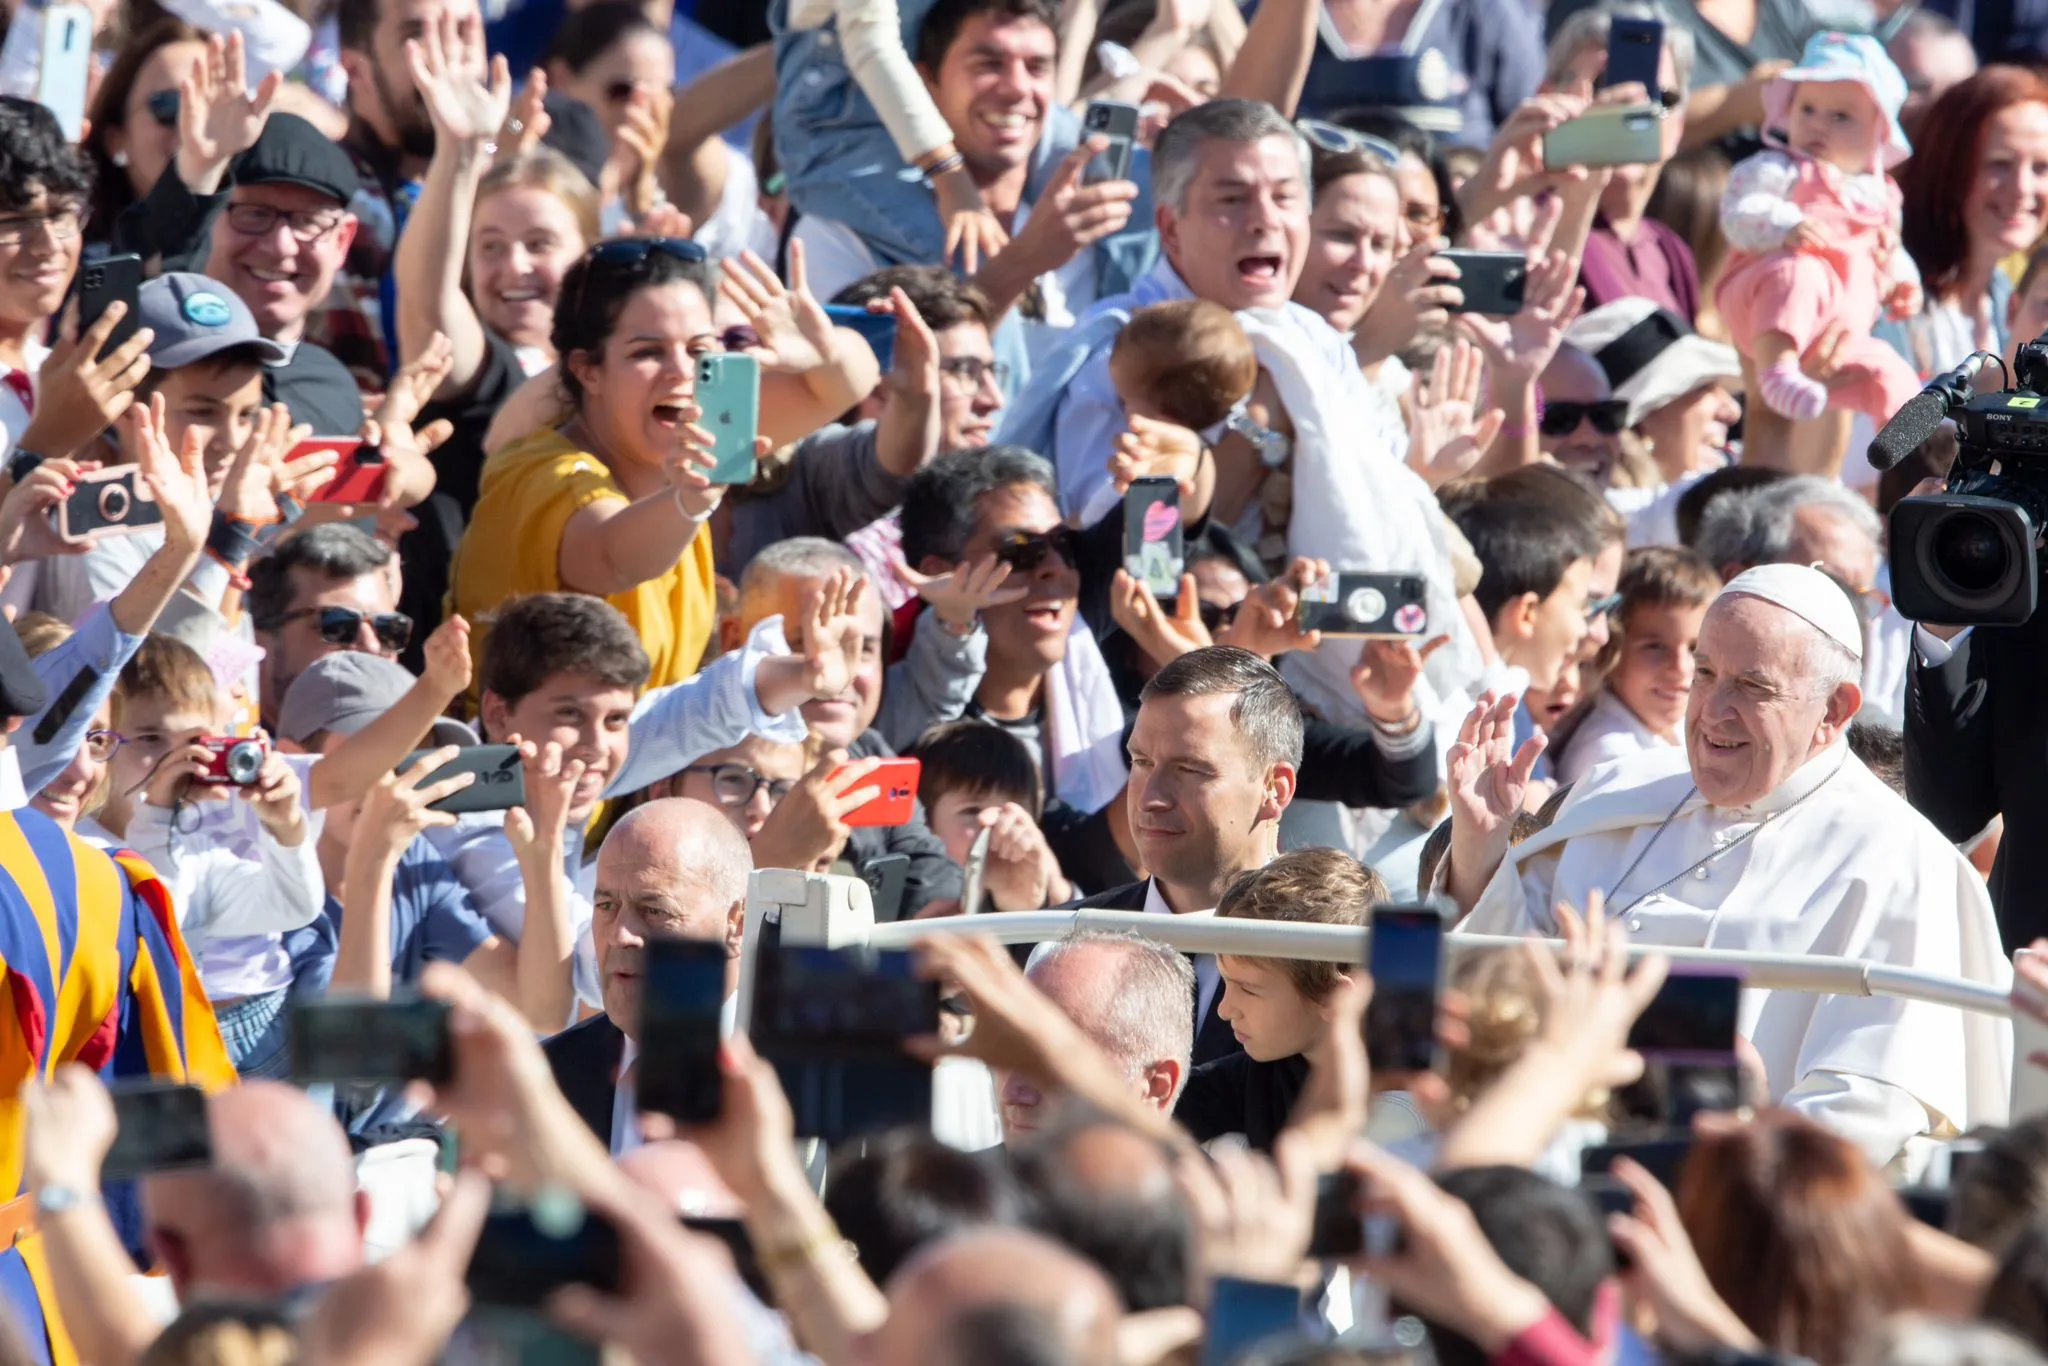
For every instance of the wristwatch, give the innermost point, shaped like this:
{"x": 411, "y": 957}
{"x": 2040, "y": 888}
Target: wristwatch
{"x": 54, "y": 1199}
{"x": 22, "y": 464}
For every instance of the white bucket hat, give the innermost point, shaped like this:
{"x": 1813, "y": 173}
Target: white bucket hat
{"x": 1651, "y": 355}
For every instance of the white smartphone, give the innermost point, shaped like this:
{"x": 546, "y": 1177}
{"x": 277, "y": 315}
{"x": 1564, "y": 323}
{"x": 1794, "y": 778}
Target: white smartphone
{"x": 66, "y": 67}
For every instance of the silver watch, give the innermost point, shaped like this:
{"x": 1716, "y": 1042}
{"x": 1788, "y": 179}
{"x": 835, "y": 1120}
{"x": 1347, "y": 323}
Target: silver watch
{"x": 54, "y": 1199}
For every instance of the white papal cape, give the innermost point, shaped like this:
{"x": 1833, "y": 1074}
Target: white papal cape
{"x": 1842, "y": 866}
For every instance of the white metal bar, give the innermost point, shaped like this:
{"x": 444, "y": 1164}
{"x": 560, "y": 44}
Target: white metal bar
{"x": 1345, "y": 944}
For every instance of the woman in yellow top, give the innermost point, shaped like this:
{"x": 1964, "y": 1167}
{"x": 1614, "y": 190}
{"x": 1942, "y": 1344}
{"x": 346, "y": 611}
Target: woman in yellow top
{"x": 614, "y": 500}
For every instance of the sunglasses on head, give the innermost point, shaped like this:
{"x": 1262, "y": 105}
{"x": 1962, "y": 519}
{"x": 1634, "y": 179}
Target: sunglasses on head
{"x": 344, "y": 625}
{"x": 163, "y": 107}
{"x": 1337, "y": 139}
{"x": 1562, "y": 416}
{"x": 1024, "y": 551}
{"x": 633, "y": 251}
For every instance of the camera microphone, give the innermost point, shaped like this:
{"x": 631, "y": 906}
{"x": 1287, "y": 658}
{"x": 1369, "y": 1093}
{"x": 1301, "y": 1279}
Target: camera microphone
{"x": 1922, "y": 415}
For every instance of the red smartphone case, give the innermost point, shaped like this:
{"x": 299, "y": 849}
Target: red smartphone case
{"x": 895, "y": 803}
{"x": 355, "y": 480}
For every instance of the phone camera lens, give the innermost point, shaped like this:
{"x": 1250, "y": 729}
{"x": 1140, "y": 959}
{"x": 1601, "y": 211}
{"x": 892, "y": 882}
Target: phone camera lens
{"x": 114, "y": 503}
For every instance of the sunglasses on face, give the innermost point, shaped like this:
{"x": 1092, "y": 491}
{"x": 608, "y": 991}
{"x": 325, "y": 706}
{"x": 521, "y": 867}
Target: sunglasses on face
{"x": 1024, "y": 551}
{"x": 344, "y": 625}
{"x": 163, "y": 107}
{"x": 1562, "y": 417}
{"x": 1215, "y": 618}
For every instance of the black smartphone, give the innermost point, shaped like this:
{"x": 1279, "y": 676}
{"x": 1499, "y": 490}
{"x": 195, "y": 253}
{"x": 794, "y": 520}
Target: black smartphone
{"x": 522, "y": 1256}
{"x": 100, "y": 283}
{"x": 1635, "y": 53}
{"x": 887, "y": 878}
{"x": 1493, "y": 282}
{"x": 1691, "y": 1020}
{"x": 500, "y": 779}
{"x": 682, "y": 990}
{"x": 345, "y": 1038}
{"x": 877, "y": 329}
{"x": 106, "y": 503}
{"x": 1366, "y": 605}
{"x": 1155, "y": 546}
{"x": 1609, "y": 1196}
{"x": 159, "y": 1127}
{"x": 1662, "y": 1157}
{"x": 1119, "y": 123}
{"x": 1243, "y": 1314}
{"x": 1405, "y": 956}
{"x": 1337, "y": 1229}
{"x": 833, "y": 1022}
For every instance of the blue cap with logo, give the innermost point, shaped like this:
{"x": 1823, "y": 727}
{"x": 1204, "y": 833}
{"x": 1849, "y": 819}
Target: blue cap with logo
{"x": 194, "y": 317}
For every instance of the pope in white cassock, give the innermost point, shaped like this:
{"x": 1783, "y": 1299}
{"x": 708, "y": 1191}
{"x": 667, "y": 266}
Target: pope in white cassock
{"x": 1764, "y": 834}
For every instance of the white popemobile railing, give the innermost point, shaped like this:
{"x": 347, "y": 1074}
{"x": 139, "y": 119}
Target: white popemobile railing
{"x": 1342, "y": 944}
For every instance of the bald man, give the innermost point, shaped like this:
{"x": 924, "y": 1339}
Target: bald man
{"x": 1108, "y": 1192}
{"x": 278, "y": 1210}
{"x": 965, "y": 1298}
{"x": 673, "y": 868}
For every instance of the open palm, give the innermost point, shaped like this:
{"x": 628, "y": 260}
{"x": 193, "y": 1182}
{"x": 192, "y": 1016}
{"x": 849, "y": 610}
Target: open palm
{"x": 467, "y": 96}
{"x": 1487, "y": 776}
{"x": 218, "y": 117}
{"x": 832, "y": 634}
{"x": 1447, "y": 432}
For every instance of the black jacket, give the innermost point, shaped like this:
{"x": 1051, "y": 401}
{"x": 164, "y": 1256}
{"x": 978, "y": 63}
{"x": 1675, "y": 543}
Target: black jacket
{"x": 585, "y": 1059}
{"x": 1213, "y": 1036}
{"x": 1236, "y": 1095}
{"x": 1976, "y": 743}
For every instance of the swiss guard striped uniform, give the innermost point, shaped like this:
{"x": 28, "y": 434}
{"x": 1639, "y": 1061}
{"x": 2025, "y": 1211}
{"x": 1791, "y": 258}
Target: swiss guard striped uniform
{"x": 96, "y": 973}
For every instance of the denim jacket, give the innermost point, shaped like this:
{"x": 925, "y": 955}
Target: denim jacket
{"x": 840, "y": 164}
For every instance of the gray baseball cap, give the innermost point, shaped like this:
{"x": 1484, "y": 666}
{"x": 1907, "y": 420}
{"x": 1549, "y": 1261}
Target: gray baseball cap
{"x": 194, "y": 317}
{"x": 343, "y": 692}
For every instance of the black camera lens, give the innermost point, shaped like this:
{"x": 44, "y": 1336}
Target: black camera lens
{"x": 1970, "y": 553}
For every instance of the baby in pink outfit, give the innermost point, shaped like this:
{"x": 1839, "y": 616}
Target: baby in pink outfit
{"x": 1814, "y": 223}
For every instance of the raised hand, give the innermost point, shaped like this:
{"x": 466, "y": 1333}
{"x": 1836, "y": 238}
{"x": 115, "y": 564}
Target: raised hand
{"x": 1488, "y": 779}
{"x": 1267, "y": 622}
{"x": 959, "y": 598}
{"x": 832, "y": 637}
{"x": 527, "y": 122}
{"x": 246, "y": 488}
{"x": 1447, "y": 433}
{"x": 914, "y": 367}
{"x": 1153, "y": 449}
{"x": 689, "y": 464}
{"x": 466, "y": 92}
{"x": 972, "y": 232}
{"x": 1518, "y": 347}
{"x": 176, "y": 481}
{"x": 1417, "y": 293}
{"x": 80, "y": 393}
{"x": 808, "y": 826}
{"x": 536, "y": 829}
{"x": 1385, "y": 676}
{"x": 391, "y": 431}
{"x": 1069, "y": 216}
{"x": 1022, "y": 874}
{"x": 27, "y": 531}
{"x": 447, "y": 658}
{"x": 1163, "y": 636}
{"x": 69, "y": 1127}
{"x": 1253, "y": 1214}
{"x": 274, "y": 797}
{"x": 795, "y": 330}
{"x": 218, "y": 117}
{"x": 1664, "y": 1270}
{"x": 638, "y": 143}
{"x": 398, "y": 807}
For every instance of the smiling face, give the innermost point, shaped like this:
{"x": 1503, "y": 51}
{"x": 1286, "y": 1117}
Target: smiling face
{"x": 835, "y": 722}
{"x": 281, "y": 278}
{"x": 1542, "y": 635}
{"x": 1690, "y": 432}
{"x": 219, "y": 402}
{"x": 1575, "y": 377}
{"x": 148, "y": 144}
{"x": 2007, "y": 207}
{"x": 993, "y": 87}
{"x": 1030, "y": 635}
{"x": 1353, "y": 235}
{"x": 1243, "y": 236}
{"x": 1837, "y": 122}
{"x": 35, "y": 272}
{"x": 635, "y": 389}
{"x": 1265, "y": 1010}
{"x": 1756, "y": 713}
{"x": 523, "y": 241}
{"x": 76, "y": 790}
{"x": 1654, "y": 675}
{"x": 587, "y": 717}
{"x": 291, "y": 649}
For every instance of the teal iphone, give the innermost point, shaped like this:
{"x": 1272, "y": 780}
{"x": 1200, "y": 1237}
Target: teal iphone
{"x": 729, "y": 392}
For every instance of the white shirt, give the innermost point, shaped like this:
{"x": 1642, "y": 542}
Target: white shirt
{"x": 626, "y": 1095}
{"x": 1207, "y": 978}
{"x": 1887, "y": 656}
{"x": 1609, "y": 731}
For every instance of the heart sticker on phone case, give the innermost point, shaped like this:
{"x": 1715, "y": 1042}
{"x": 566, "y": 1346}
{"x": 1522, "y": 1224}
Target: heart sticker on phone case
{"x": 1160, "y": 520}
{"x": 1409, "y": 619}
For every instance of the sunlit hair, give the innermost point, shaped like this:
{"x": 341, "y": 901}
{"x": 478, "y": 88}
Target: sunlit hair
{"x": 548, "y": 170}
{"x": 1799, "y": 1233}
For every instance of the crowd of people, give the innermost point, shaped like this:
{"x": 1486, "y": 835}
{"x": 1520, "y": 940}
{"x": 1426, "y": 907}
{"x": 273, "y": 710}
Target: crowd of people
{"x": 715, "y": 408}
